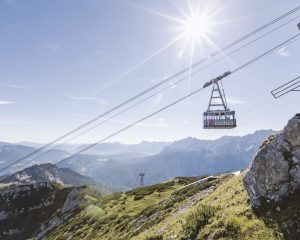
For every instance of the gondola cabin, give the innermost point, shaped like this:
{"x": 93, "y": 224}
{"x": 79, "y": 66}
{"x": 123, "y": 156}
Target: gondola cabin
{"x": 214, "y": 117}
{"x": 219, "y": 119}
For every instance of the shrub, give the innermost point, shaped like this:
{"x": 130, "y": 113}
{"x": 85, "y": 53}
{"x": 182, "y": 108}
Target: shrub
{"x": 95, "y": 212}
{"x": 150, "y": 210}
{"x": 138, "y": 197}
{"x": 186, "y": 180}
{"x": 197, "y": 220}
{"x": 270, "y": 138}
{"x": 182, "y": 194}
{"x": 232, "y": 226}
{"x": 155, "y": 237}
{"x": 111, "y": 197}
{"x": 161, "y": 187}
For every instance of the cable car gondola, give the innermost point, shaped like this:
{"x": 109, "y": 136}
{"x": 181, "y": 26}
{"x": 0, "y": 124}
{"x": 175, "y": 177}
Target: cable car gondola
{"x": 214, "y": 117}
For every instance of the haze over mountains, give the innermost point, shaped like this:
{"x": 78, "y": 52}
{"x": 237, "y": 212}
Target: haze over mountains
{"x": 9, "y": 153}
{"x": 145, "y": 147}
{"x": 118, "y": 165}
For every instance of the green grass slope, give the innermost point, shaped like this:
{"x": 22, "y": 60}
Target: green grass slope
{"x": 217, "y": 209}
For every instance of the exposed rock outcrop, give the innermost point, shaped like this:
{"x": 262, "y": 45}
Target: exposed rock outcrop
{"x": 24, "y": 209}
{"x": 275, "y": 171}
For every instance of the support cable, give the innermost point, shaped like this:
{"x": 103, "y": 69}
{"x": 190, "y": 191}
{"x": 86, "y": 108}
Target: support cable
{"x": 147, "y": 98}
{"x": 292, "y": 39}
{"x": 156, "y": 85}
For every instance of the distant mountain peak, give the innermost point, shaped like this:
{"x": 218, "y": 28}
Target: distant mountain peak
{"x": 48, "y": 173}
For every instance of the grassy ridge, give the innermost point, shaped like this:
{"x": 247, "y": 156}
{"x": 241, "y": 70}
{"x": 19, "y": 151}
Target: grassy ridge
{"x": 218, "y": 209}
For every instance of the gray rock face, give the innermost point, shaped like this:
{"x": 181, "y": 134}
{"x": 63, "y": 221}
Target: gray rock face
{"x": 25, "y": 210}
{"x": 74, "y": 199}
{"x": 275, "y": 171}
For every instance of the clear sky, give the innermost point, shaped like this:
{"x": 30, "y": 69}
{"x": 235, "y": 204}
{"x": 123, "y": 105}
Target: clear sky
{"x": 63, "y": 62}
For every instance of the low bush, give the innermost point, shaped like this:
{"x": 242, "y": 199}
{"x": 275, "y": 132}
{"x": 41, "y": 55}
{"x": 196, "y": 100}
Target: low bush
{"x": 111, "y": 197}
{"x": 186, "y": 180}
{"x": 138, "y": 197}
{"x": 95, "y": 212}
{"x": 197, "y": 221}
{"x": 161, "y": 187}
{"x": 232, "y": 226}
{"x": 155, "y": 237}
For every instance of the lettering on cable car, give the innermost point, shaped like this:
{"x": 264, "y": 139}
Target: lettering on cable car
{"x": 223, "y": 123}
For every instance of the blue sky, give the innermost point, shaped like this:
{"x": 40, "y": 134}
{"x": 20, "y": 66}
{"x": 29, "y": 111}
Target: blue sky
{"x": 63, "y": 62}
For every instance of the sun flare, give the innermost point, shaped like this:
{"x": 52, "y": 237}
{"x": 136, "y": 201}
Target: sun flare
{"x": 196, "y": 27}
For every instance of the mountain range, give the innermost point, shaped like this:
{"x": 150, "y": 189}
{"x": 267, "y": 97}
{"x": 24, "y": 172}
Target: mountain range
{"x": 118, "y": 165}
{"x": 186, "y": 157}
{"x": 195, "y": 207}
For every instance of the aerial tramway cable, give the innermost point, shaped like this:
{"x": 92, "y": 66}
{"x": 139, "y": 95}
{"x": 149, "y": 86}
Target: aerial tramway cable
{"x": 164, "y": 89}
{"x": 292, "y": 39}
{"x": 156, "y": 86}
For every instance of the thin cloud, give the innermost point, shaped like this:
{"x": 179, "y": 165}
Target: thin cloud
{"x": 13, "y": 86}
{"x": 283, "y": 52}
{"x": 5, "y": 102}
{"x": 99, "y": 101}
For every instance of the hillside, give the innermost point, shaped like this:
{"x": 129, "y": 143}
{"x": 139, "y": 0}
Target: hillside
{"x": 52, "y": 174}
{"x": 217, "y": 209}
{"x": 223, "y": 206}
{"x": 259, "y": 203}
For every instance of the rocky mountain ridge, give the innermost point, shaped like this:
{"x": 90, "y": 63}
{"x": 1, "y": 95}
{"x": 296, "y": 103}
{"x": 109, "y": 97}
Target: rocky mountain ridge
{"x": 275, "y": 170}
{"x": 25, "y": 209}
{"x": 50, "y": 173}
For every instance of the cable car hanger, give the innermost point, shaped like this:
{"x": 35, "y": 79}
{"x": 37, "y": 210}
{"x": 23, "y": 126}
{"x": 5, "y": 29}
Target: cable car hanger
{"x": 215, "y": 117}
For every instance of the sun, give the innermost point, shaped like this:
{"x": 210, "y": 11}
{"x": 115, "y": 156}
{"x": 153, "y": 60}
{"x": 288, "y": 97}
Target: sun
{"x": 196, "y": 27}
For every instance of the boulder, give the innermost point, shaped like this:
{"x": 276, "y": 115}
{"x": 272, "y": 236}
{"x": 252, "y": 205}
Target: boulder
{"x": 275, "y": 170}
